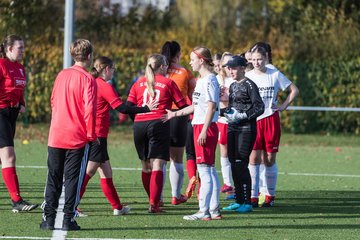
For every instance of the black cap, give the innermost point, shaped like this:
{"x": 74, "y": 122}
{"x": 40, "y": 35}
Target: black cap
{"x": 236, "y": 61}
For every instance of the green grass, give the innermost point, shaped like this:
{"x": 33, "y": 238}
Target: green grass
{"x": 307, "y": 207}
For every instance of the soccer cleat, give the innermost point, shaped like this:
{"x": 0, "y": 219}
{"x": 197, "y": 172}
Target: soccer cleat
{"x": 48, "y": 224}
{"x": 23, "y": 206}
{"x": 244, "y": 208}
{"x": 205, "y": 216}
{"x": 215, "y": 214}
{"x": 155, "y": 209}
{"x": 232, "y": 207}
{"x": 226, "y": 188}
{"x": 191, "y": 187}
{"x": 123, "y": 211}
{"x": 80, "y": 213}
{"x": 177, "y": 201}
{"x": 255, "y": 202}
{"x": 161, "y": 203}
{"x": 269, "y": 201}
{"x": 261, "y": 198}
{"x": 70, "y": 226}
{"x": 230, "y": 197}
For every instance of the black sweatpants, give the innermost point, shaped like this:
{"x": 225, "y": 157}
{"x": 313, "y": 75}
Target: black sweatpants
{"x": 65, "y": 166}
{"x": 240, "y": 143}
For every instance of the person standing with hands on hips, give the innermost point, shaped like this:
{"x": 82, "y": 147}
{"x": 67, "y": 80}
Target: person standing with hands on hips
{"x": 269, "y": 81}
{"x": 12, "y": 87}
{"x": 205, "y": 107}
{"x": 73, "y": 105}
{"x": 245, "y": 105}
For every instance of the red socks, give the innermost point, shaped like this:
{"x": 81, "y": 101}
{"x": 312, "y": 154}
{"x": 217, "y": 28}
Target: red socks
{"x": 156, "y": 185}
{"x": 12, "y": 183}
{"x": 110, "y": 192}
{"x": 83, "y": 187}
{"x": 145, "y": 177}
{"x": 191, "y": 168}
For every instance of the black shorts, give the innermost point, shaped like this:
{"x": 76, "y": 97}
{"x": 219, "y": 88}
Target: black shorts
{"x": 8, "y": 118}
{"x": 190, "y": 147}
{"x": 98, "y": 153}
{"x": 178, "y": 131}
{"x": 152, "y": 139}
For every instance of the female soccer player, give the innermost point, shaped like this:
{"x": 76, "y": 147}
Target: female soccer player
{"x": 269, "y": 82}
{"x": 245, "y": 104}
{"x": 185, "y": 81}
{"x": 12, "y": 87}
{"x": 205, "y": 108}
{"x": 225, "y": 80}
{"x": 107, "y": 98}
{"x": 151, "y": 135}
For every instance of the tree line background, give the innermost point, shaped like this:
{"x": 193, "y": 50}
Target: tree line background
{"x": 316, "y": 44}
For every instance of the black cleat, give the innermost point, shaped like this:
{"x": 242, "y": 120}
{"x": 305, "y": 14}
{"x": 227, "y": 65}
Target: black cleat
{"x": 70, "y": 226}
{"x": 23, "y": 206}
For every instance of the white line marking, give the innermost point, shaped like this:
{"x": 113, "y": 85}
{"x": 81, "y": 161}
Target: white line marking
{"x": 57, "y": 233}
{"x": 17, "y": 237}
{"x": 281, "y": 173}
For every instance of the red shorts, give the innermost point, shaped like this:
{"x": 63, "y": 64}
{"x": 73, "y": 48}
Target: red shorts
{"x": 268, "y": 134}
{"x": 223, "y": 130}
{"x": 206, "y": 154}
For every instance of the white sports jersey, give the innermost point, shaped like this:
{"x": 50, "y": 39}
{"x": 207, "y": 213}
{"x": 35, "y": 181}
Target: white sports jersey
{"x": 226, "y": 83}
{"x": 269, "y": 84}
{"x": 207, "y": 90}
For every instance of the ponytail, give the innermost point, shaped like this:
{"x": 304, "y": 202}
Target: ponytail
{"x": 150, "y": 80}
{"x": 155, "y": 61}
{"x": 2, "y": 51}
{"x": 100, "y": 64}
{"x": 94, "y": 72}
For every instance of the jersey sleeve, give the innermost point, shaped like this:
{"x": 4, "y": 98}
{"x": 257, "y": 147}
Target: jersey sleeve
{"x": 257, "y": 105}
{"x": 176, "y": 95}
{"x": 109, "y": 94}
{"x": 284, "y": 82}
{"x": 212, "y": 90}
{"x": 90, "y": 107}
{"x": 132, "y": 94}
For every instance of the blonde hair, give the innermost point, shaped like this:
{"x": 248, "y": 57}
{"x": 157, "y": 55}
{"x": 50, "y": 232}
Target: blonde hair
{"x": 154, "y": 62}
{"x": 100, "y": 64}
{"x": 80, "y": 50}
{"x": 222, "y": 73}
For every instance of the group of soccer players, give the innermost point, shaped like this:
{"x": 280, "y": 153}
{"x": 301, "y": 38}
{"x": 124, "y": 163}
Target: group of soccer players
{"x": 236, "y": 106}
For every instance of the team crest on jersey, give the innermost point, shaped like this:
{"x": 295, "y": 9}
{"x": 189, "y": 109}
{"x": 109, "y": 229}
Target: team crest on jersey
{"x": 21, "y": 72}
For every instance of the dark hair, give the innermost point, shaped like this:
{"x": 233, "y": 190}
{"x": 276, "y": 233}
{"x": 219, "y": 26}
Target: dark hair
{"x": 260, "y": 50}
{"x": 170, "y": 50}
{"x": 9, "y": 41}
{"x": 267, "y": 48}
{"x": 100, "y": 64}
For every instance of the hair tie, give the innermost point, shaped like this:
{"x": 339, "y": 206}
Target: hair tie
{"x": 201, "y": 56}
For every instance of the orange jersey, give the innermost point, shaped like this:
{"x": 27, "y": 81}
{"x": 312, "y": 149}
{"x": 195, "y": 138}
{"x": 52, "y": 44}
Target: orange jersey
{"x": 182, "y": 77}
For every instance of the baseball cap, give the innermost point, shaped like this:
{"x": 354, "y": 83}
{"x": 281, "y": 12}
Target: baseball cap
{"x": 236, "y": 61}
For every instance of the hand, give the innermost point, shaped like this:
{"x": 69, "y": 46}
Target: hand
{"x": 277, "y": 108}
{"x": 152, "y": 104}
{"x": 201, "y": 141}
{"x": 169, "y": 115}
{"x": 233, "y": 116}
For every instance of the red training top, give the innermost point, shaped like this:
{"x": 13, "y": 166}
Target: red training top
{"x": 166, "y": 92}
{"x": 12, "y": 83}
{"x": 73, "y": 104}
{"x": 106, "y": 98}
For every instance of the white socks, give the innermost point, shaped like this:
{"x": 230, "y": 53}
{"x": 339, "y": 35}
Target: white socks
{"x": 262, "y": 182}
{"x": 271, "y": 178}
{"x": 255, "y": 174}
{"x": 226, "y": 171}
{"x": 210, "y": 188}
{"x": 176, "y": 176}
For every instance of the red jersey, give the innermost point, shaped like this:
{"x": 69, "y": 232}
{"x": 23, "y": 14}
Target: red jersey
{"x": 106, "y": 98}
{"x": 73, "y": 104}
{"x": 12, "y": 83}
{"x": 166, "y": 92}
{"x": 181, "y": 76}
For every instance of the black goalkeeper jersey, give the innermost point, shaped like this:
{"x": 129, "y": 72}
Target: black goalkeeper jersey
{"x": 245, "y": 98}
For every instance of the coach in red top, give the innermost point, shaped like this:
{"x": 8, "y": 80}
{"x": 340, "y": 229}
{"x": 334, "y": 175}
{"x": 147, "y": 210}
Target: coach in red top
{"x": 12, "y": 87}
{"x": 73, "y": 104}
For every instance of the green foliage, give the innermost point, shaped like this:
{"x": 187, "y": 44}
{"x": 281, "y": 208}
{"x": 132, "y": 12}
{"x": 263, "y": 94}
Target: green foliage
{"x": 315, "y": 43}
